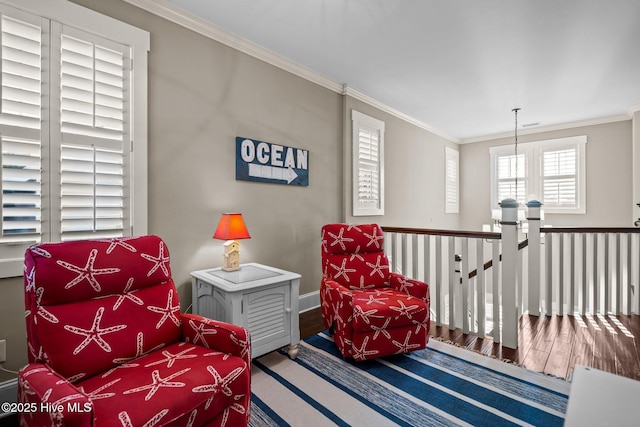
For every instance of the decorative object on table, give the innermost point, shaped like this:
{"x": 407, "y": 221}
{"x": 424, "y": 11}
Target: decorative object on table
{"x": 261, "y": 161}
{"x": 231, "y": 228}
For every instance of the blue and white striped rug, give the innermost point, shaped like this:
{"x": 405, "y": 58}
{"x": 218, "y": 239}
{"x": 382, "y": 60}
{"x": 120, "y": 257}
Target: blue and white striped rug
{"x": 441, "y": 385}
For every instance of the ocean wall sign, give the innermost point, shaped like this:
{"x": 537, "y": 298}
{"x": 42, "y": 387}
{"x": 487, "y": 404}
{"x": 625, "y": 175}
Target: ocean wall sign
{"x": 266, "y": 162}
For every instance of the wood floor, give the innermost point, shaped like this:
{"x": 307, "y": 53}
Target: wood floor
{"x": 553, "y": 345}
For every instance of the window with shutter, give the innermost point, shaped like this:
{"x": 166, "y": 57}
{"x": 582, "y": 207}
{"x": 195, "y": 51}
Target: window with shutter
{"x": 559, "y": 177}
{"x": 93, "y": 130}
{"x": 368, "y": 165}
{"x": 508, "y": 167}
{"x": 20, "y": 126}
{"x": 452, "y": 165}
{"x": 551, "y": 171}
{"x": 66, "y": 127}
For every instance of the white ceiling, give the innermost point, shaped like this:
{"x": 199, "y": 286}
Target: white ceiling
{"x": 458, "y": 66}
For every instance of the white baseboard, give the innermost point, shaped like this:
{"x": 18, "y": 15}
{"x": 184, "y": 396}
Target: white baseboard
{"x": 309, "y": 301}
{"x": 8, "y": 393}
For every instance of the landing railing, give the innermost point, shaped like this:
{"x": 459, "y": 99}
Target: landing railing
{"x": 482, "y": 282}
{"x": 438, "y": 257}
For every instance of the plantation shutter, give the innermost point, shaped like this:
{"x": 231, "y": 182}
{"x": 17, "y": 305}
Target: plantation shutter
{"x": 368, "y": 168}
{"x": 559, "y": 185}
{"x": 20, "y": 128}
{"x": 452, "y": 182}
{"x": 506, "y": 177}
{"x": 94, "y": 135}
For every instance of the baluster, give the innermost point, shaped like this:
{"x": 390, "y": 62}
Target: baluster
{"x": 464, "y": 274}
{"x": 439, "y": 296}
{"x": 495, "y": 274}
{"x": 596, "y": 276}
{"x": 394, "y": 252}
{"x": 414, "y": 256}
{"x": 426, "y": 273}
{"x": 548, "y": 297}
{"x": 618, "y": 274}
{"x": 405, "y": 258}
{"x": 452, "y": 282}
{"x": 571, "y": 308}
{"x": 637, "y": 257}
{"x": 607, "y": 278}
{"x": 585, "y": 278}
{"x": 561, "y": 274}
{"x": 480, "y": 287}
{"x": 629, "y": 286}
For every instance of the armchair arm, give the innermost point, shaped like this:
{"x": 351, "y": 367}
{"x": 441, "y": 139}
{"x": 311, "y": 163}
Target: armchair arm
{"x": 222, "y": 336}
{"x": 47, "y": 398}
{"x": 411, "y": 287}
{"x": 337, "y": 312}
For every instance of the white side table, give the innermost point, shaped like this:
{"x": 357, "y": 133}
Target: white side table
{"x": 263, "y": 299}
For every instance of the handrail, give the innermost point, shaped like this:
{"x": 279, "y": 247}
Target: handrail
{"x": 589, "y": 230}
{"x": 438, "y": 232}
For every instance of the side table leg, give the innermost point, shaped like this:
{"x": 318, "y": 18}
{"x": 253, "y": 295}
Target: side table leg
{"x": 292, "y": 350}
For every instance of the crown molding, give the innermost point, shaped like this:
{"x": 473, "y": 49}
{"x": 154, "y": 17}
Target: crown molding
{"x": 374, "y": 103}
{"x": 634, "y": 109}
{"x": 204, "y": 28}
{"x": 541, "y": 129}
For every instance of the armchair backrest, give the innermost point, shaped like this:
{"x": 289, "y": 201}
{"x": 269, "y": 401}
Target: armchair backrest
{"x": 95, "y": 304}
{"x": 353, "y": 255}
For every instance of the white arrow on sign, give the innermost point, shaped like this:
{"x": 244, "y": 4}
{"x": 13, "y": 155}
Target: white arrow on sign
{"x": 272, "y": 172}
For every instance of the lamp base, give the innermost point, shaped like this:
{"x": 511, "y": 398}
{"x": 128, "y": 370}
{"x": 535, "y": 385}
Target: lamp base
{"x": 231, "y": 256}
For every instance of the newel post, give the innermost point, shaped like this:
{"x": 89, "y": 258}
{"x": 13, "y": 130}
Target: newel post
{"x": 533, "y": 216}
{"x": 510, "y": 319}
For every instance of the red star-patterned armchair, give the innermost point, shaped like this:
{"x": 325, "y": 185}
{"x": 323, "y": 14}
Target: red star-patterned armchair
{"x": 370, "y": 311}
{"x": 108, "y": 345}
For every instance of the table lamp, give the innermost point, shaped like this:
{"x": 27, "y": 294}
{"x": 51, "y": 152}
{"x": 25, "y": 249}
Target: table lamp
{"x": 231, "y": 228}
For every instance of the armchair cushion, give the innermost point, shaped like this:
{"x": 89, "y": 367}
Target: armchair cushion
{"x": 385, "y": 309}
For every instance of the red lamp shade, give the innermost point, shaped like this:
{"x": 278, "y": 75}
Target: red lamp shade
{"x": 231, "y": 227}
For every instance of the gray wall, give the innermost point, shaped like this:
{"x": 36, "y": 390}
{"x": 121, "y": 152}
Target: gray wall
{"x": 202, "y": 94}
{"x": 414, "y": 173}
{"x": 609, "y": 182}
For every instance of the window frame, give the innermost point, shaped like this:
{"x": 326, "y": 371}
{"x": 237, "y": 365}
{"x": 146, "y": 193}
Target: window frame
{"x": 533, "y": 175}
{"x": 451, "y": 185}
{"x": 135, "y": 145}
{"x": 362, "y": 122}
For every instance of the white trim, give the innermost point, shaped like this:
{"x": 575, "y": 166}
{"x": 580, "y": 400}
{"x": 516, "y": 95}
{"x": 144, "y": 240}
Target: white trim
{"x": 634, "y": 109}
{"x": 560, "y": 126}
{"x": 385, "y": 108}
{"x": 309, "y": 301}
